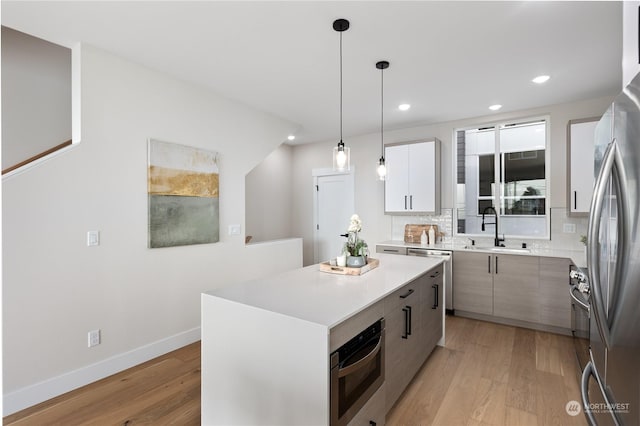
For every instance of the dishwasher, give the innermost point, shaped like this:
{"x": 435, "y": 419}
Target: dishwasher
{"x": 447, "y": 268}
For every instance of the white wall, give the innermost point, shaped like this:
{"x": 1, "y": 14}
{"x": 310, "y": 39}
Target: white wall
{"x": 36, "y": 96}
{"x": 56, "y": 289}
{"x": 630, "y": 54}
{"x": 365, "y": 151}
{"x": 268, "y": 197}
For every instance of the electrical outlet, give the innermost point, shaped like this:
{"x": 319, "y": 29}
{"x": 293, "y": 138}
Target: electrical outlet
{"x": 94, "y": 338}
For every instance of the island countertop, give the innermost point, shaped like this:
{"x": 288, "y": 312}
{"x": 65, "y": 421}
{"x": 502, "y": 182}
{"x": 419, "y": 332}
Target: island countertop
{"x": 323, "y": 298}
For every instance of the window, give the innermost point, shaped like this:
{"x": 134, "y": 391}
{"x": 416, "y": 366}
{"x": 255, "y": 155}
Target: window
{"x": 503, "y": 166}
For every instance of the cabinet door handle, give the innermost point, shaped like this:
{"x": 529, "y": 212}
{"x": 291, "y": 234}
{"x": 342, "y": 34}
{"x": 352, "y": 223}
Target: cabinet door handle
{"x": 410, "y": 321}
{"x": 407, "y": 294}
{"x": 405, "y": 202}
{"x": 575, "y": 200}
{"x": 406, "y": 322}
{"x": 489, "y": 264}
{"x": 435, "y": 297}
{"x": 411, "y": 202}
{"x": 496, "y": 265}
{"x": 435, "y": 274}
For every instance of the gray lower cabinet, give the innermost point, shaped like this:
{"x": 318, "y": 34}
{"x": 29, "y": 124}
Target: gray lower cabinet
{"x": 431, "y": 307}
{"x": 402, "y": 326}
{"x": 413, "y": 318}
{"x": 473, "y": 282}
{"x": 554, "y": 299}
{"x": 515, "y": 287}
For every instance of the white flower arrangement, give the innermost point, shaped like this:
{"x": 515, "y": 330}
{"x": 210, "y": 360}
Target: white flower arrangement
{"x": 356, "y": 224}
{"x": 354, "y": 245}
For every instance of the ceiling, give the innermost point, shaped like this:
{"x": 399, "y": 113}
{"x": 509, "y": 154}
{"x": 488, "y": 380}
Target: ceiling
{"x": 449, "y": 60}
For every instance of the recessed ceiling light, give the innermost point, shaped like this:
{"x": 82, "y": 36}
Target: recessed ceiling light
{"x": 404, "y": 107}
{"x": 540, "y": 79}
{"x": 291, "y": 137}
{"x": 495, "y": 107}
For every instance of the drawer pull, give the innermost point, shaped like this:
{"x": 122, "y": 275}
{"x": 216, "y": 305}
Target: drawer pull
{"x": 407, "y": 294}
{"x": 406, "y": 322}
{"x": 435, "y": 296}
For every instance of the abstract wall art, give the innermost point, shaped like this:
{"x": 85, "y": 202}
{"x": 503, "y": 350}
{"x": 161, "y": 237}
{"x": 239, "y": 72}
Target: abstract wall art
{"x": 183, "y": 195}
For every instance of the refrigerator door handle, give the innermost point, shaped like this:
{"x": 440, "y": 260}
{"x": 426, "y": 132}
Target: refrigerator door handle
{"x": 584, "y": 391}
{"x": 589, "y": 371}
{"x": 593, "y": 234}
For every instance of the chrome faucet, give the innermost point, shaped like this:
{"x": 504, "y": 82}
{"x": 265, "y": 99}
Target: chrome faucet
{"x": 496, "y": 240}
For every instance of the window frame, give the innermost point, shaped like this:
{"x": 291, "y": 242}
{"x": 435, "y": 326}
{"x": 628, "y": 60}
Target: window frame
{"x": 497, "y": 125}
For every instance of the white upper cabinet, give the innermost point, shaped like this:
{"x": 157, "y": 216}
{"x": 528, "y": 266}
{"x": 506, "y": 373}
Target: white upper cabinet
{"x": 580, "y": 179}
{"x": 412, "y": 184}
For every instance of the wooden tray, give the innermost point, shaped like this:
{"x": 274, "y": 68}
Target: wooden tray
{"x": 412, "y": 233}
{"x": 345, "y": 270}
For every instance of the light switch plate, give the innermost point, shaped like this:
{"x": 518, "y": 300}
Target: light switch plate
{"x": 569, "y": 228}
{"x": 93, "y": 238}
{"x": 235, "y": 229}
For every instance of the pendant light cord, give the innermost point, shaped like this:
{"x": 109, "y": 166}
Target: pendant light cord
{"x": 340, "y": 86}
{"x": 382, "y": 112}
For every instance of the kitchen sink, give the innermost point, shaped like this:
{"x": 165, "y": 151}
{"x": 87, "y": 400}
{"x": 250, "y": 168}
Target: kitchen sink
{"x": 498, "y": 249}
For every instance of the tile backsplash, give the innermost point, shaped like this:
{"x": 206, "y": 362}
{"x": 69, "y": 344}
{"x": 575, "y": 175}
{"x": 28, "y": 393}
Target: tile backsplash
{"x": 443, "y": 220}
{"x": 560, "y": 222}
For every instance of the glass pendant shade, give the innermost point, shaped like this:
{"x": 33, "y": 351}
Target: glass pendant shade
{"x": 381, "y": 169}
{"x": 341, "y": 158}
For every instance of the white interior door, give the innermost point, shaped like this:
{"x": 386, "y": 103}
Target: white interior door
{"x": 334, "y": 205}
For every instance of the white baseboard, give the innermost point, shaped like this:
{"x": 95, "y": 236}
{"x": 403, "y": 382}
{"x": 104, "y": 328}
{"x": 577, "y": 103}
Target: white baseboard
{"x": 47, "y": 389}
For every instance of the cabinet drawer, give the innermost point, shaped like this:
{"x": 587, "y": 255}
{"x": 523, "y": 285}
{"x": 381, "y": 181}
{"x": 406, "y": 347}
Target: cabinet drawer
{"x": 373, "y": 411}
{"x": 404, "y": 295}
{"x": 391, "y": 250}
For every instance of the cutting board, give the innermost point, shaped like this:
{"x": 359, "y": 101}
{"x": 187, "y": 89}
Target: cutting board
{"x": 413, "y": 232}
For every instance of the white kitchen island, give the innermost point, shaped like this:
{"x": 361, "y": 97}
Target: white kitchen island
{"x": 266, "y": 343}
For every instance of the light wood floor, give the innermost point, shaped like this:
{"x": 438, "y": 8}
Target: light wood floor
{"x": 163, "y": 391}
{"x": 487, "y": 374}
{"x": 491, "y": 374}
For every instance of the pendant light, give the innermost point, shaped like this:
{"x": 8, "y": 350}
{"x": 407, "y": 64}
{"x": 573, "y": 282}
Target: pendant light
{"x": 382, "y": 167}
{"x": 341, "y": 154}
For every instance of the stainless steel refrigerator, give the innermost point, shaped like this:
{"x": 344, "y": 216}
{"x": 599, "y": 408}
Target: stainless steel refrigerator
{"x": 611, "y": 381}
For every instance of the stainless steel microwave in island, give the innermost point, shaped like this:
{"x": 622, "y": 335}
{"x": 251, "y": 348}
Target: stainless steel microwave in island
{"x": 357, "y": 372}
{"x": 611, "y": 380}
